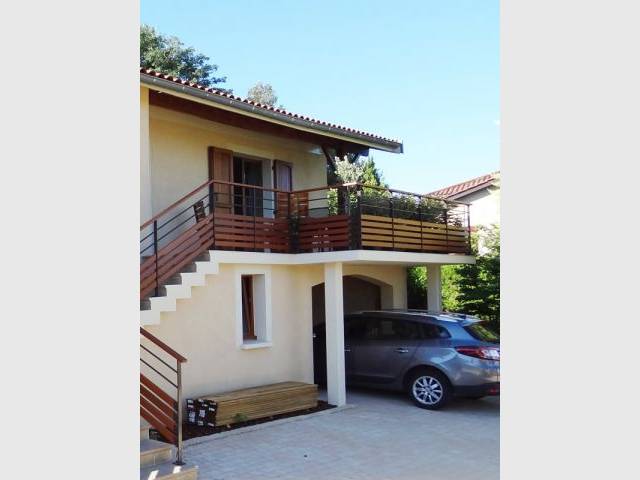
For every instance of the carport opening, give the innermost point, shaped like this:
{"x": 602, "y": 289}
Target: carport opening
{"x": 358, "y": 294}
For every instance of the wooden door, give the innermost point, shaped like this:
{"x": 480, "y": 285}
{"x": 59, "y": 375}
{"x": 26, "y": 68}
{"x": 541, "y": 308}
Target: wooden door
{"x": 221, "y": 168}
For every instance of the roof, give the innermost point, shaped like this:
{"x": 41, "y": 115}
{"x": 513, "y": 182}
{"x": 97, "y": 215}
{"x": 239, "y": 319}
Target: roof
{"x": 150, "y": 76}
{"x": 460, "y": 189}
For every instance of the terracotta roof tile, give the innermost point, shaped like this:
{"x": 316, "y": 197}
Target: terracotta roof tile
{"x": 458, "y": 188}
{"x": 154, "y": 73}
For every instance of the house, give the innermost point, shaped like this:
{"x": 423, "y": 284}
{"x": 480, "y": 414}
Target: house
{"x": 243, "y": 243}
{"x": 481, "y": 193}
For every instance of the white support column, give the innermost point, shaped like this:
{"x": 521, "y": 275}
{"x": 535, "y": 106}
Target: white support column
{"x": 334, "y": 318}
{"x": 434, "y": 287}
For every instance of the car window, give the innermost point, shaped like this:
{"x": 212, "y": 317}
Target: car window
{"x": 354, "y": 328}
{"x": 480, "y": 331}
{"x": 391, "y": 329}
{"x": 431, "y": 331}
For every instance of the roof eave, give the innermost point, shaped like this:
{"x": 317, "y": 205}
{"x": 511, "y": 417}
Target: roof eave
{"x": 271, "y": 116}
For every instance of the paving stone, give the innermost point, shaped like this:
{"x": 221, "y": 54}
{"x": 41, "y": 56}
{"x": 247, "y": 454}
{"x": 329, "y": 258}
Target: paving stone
{"x": 384, "y": 437}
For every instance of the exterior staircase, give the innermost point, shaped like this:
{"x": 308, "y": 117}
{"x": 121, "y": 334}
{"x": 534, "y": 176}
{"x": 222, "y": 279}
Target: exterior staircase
{"x": 157, "y": 460}
{"x": 177, "y": 287}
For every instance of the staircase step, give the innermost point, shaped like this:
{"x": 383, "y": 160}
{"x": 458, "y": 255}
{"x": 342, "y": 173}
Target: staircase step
{"x": 154, "y": 452}
{"x": 168, "y": 470}
{"x": 144, "y": 430}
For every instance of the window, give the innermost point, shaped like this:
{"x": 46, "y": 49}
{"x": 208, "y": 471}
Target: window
{"x": 431, "y": 331}
{"x": 481, "y": 332}
{"x": 354, "y": 328}
{"x": 248, "y": 319}
{"x": 391, "y": 329}
{"x": 253, "y": 307}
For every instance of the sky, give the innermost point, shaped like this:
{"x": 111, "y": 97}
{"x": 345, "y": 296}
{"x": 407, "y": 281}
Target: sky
{"x": 425, "y": 72}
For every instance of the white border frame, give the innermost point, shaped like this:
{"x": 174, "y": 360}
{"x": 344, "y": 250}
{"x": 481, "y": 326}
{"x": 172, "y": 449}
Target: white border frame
{"x": 237, "y": 280}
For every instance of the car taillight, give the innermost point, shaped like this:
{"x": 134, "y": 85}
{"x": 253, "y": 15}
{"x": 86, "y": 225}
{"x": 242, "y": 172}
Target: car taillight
{"x": 485, "y": 353}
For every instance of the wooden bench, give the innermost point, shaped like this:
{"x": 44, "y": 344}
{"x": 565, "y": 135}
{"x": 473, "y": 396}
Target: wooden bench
{"x": 265, "y": 401}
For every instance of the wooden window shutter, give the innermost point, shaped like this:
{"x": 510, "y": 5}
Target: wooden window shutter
{"x": 221, "y": 169}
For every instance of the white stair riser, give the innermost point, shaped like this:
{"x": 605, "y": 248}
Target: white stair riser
{"x": 155, "y": 457}
{"x": 177, "y": 292}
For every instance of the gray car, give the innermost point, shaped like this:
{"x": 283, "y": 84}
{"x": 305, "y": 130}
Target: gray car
{"x": 433, "y": 356}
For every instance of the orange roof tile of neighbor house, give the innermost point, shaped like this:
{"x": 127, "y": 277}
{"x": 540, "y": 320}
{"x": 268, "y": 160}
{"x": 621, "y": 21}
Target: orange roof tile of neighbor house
{"x": 459, "y": 189}
{"x": 391, "y": 144}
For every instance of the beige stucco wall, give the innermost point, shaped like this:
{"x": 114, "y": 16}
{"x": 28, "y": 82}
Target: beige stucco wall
{"x": 145, "y": 157}
{"x": 203, "y": 328}
{"x": 179, "y": 154}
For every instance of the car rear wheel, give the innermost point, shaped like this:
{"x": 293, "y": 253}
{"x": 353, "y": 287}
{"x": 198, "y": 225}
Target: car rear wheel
{"x": 429, "y": 389}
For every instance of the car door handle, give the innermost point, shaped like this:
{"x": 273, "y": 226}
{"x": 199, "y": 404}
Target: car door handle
{"x": 402, "y": 350}
{"x": 347, "y": 349}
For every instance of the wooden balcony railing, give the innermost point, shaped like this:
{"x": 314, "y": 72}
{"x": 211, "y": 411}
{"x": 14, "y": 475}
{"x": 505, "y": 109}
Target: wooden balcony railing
{"x": 230, "y": 216}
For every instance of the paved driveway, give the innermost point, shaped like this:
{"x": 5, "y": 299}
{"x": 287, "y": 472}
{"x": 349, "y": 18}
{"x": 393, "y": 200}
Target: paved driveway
{"x": 383, "y": 437}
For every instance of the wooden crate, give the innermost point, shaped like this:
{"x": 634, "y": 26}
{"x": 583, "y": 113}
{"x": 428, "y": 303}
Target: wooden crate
{"x": 264, "y": 401}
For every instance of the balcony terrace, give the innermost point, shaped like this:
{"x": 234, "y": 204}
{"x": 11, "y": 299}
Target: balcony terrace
{"x": 231, "y": 216}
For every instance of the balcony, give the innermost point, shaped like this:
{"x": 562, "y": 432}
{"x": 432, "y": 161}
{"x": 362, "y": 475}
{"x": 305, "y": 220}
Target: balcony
{"x": 231, "y": 216}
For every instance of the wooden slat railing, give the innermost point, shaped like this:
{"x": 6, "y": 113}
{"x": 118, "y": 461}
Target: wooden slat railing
{"x": 162, "y": 410}
{"x": 328, "y": 218}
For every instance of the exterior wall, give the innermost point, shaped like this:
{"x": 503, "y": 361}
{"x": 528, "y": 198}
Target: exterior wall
{"x": 145, "y": 157}
{"x": 485, "y": 206}
{"x": 203, "y": 328}
{"x": 179, "y": 154}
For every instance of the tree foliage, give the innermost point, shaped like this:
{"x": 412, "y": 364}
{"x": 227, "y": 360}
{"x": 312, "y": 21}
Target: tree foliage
{"x": 167, "y": 54}
{"x": 263, "y": 93}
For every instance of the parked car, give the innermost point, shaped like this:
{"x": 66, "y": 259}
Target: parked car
{"x": 433, "y": 356}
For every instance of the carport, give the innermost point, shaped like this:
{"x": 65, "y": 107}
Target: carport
{"x": 342, "y": 293}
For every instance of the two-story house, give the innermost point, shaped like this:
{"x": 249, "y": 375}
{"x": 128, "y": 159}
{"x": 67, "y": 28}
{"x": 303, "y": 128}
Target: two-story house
{"x": 240, "y": 228}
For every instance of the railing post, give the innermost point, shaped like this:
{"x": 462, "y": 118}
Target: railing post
{"x": 293, "y": 226}
{"x": 253, "y": 198}
{"x": 155, "y": 254}
{"x": 468, "y": 229}
{"x": 179, "y": 448}
{"x": 212, "y": 209}
{"x": 393, "y": 232}
{"x": 446, "y": 226}
{"x": 357, "y": 219}
{"x": 420, "y": 220}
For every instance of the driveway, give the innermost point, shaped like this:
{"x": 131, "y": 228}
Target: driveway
{"x": 382, "y": 437}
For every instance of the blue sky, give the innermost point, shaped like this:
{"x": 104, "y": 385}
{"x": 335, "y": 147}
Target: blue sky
{"x": 426, "y": 72}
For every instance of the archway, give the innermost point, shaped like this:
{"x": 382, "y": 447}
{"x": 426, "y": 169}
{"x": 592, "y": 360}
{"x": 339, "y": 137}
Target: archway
{"x": 359, "y": 293}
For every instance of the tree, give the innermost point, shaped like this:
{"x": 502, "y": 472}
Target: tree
{"x": 473, "y": 289}
{"x": 263, "y": 93}
{"x": 167, "y": 54}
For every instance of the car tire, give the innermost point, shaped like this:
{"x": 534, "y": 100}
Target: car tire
{"x": 429, "y": 389}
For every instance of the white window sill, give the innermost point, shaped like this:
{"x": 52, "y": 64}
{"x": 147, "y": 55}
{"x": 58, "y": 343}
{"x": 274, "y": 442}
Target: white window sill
{"x": 251, "y": 345}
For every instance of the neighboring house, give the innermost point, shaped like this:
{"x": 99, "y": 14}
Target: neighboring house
{"x": 244, "y": 245}
{"x": 481, "y": 193}
{"x": 483, "y": 196}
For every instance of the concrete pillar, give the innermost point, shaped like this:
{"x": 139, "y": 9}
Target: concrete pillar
{"x": 146, "y": 208}
{"x": 434, "y": 287}
{"x": 334, "y": 317}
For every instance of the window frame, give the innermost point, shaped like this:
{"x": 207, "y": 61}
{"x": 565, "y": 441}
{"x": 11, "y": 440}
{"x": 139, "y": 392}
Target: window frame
{"x": 262, "y": 307}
